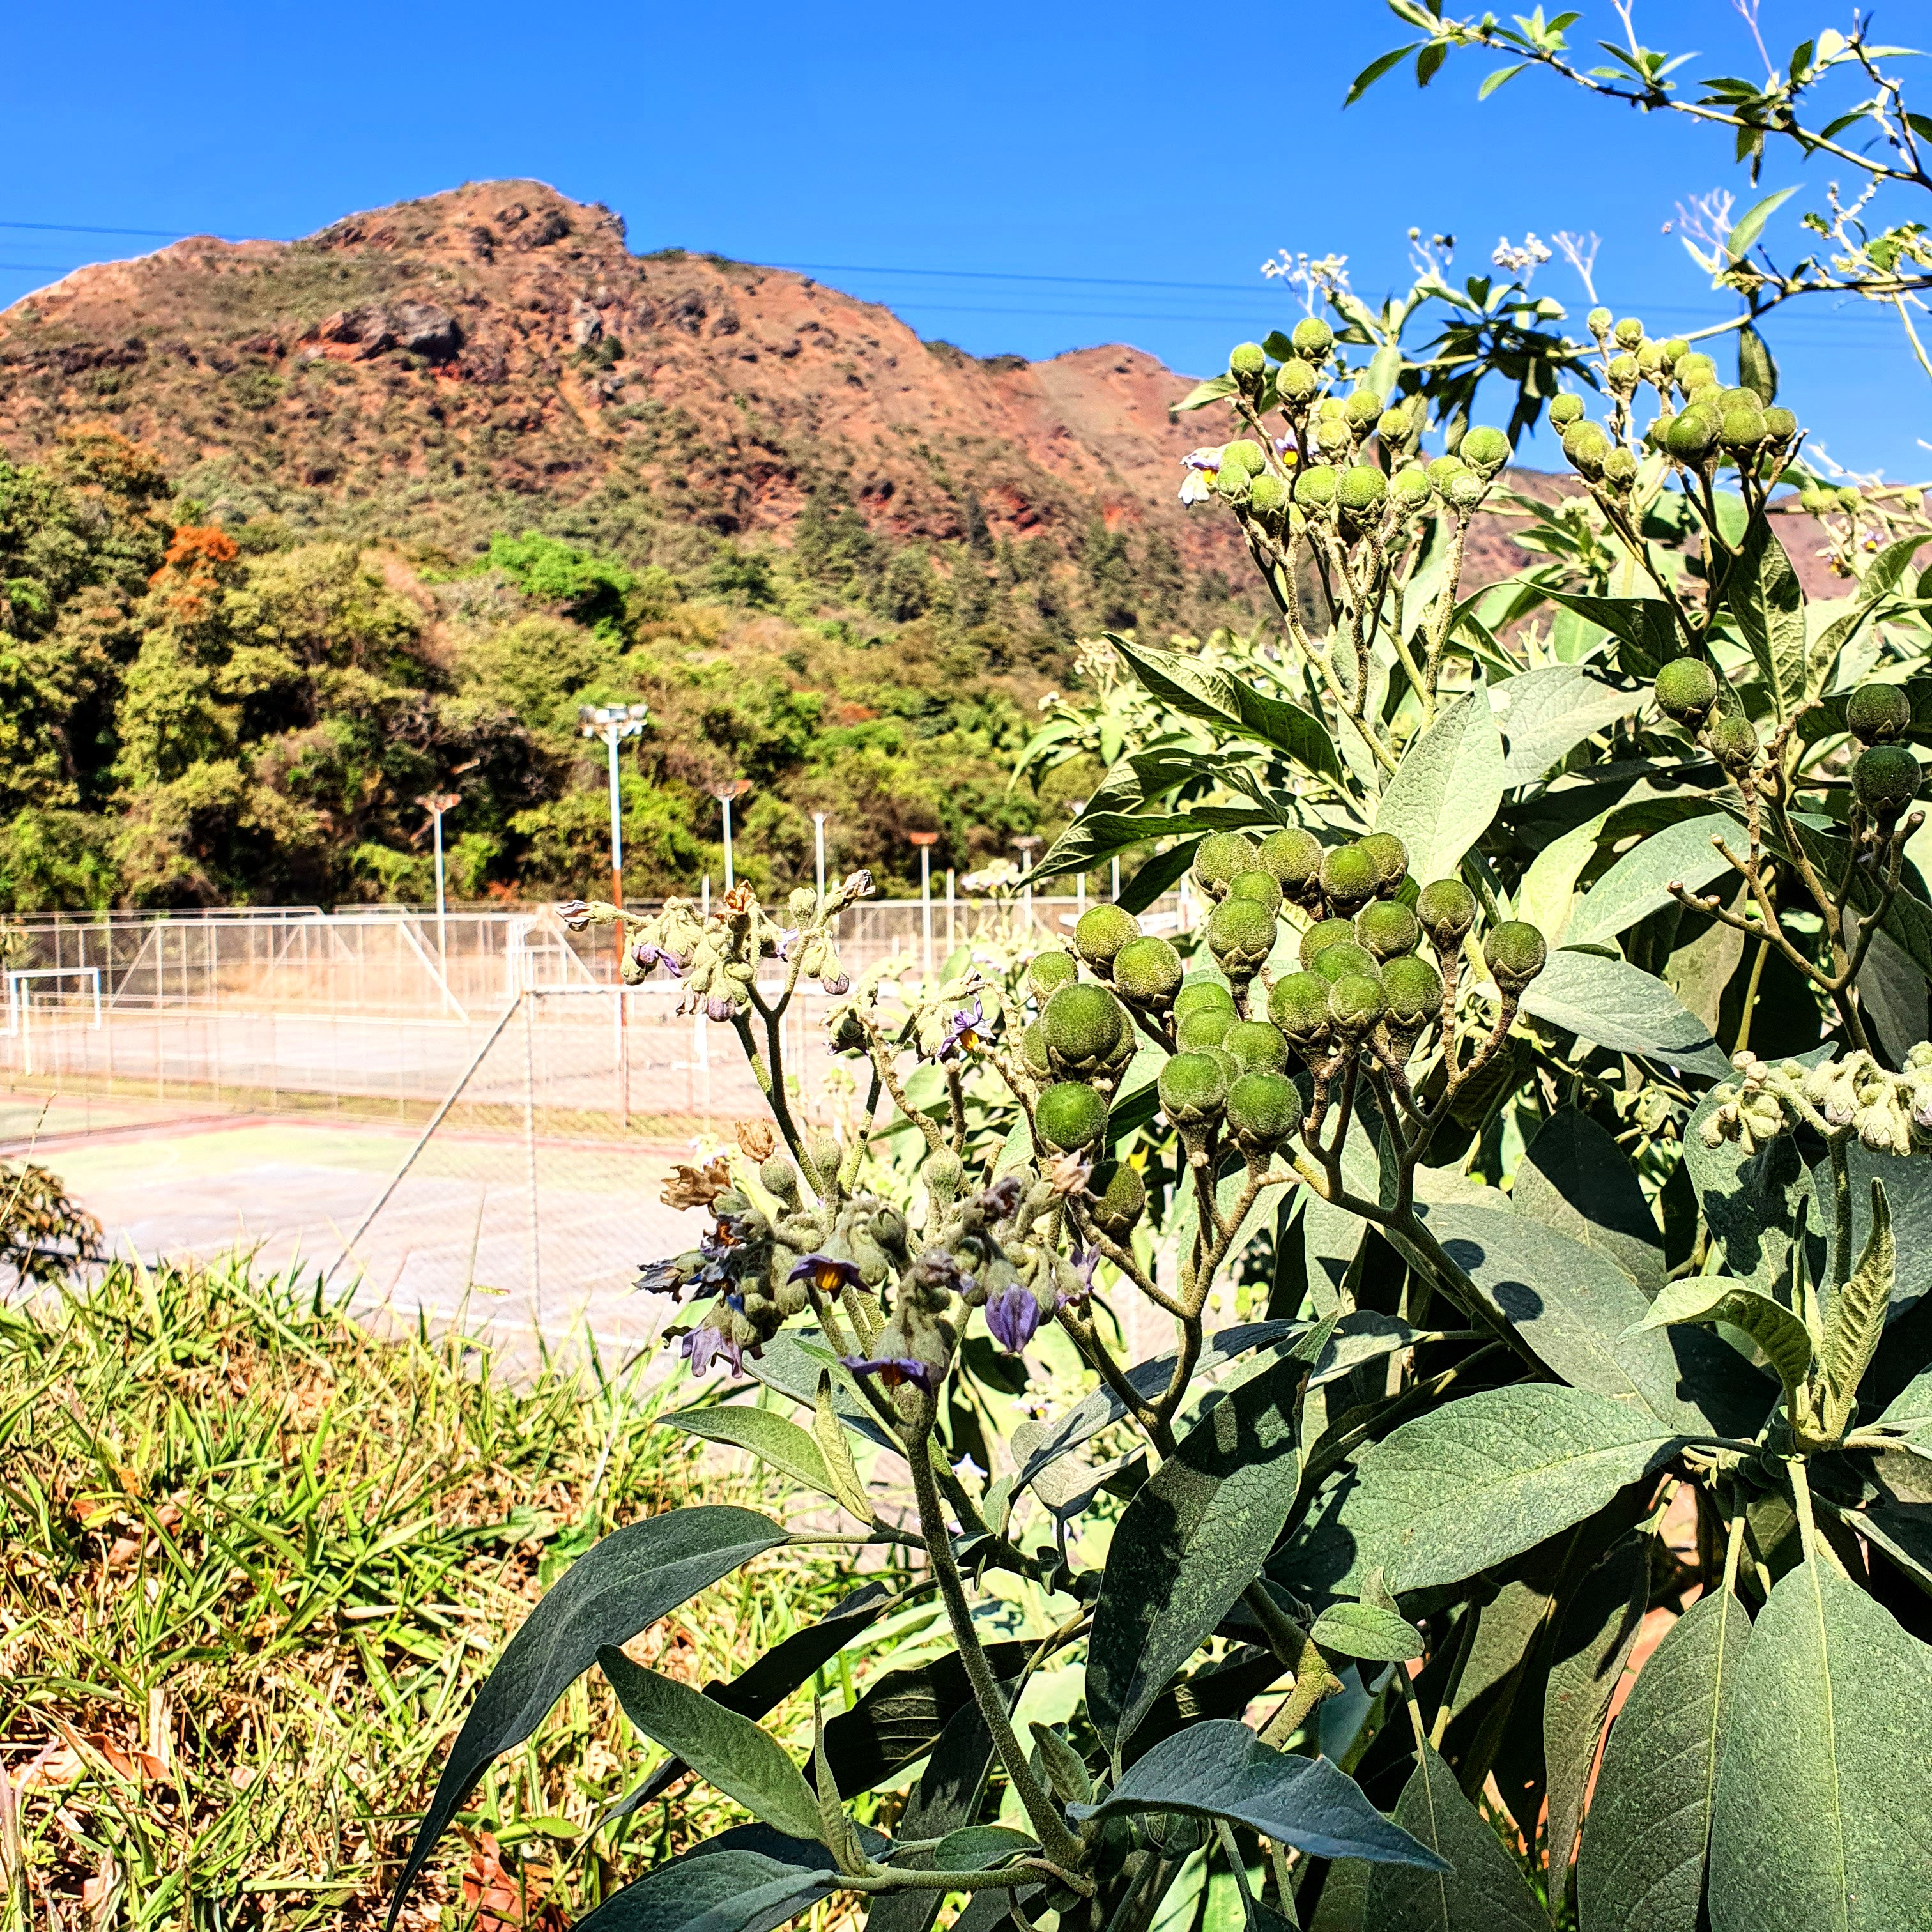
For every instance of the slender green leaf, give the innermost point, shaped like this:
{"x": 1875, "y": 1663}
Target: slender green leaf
{"x": 1368, "y": 1631}
{"x": 1645, "y": 627}
{"x": 1642, "y": 1866}
{"x": 1637, "y": 885}
{"x": 904, "y": 1713}
{"x": 773, "y": 1439}
{"x": 1765, "y": 598}
{"x": 1755, "y": 368}
{"x": 1856, "y": 1321}
{"x": 1499, "y": 78}
{"x": 743, "y": 1761}
{"x": 1220, "y": 1769}
{"x": 1375, "y": 69}
{"x": 829, "y": 1433}
{"x": 1821, "y": 1822}
{"x": 634, "y": 1576}
{"x": 1593, "y": 1641}
{"x": 1478, "y": 1481}
{"x": 713, "y": 1891}
{"x": 947, "y": 1795}
{"x": 981, "y": 1848}
{"x": 1443, "y": 795}
{"x": 1212, "y": 391}
{"x": 1750, "y": 225}
{"x": 1479, "y": 1887}
{"x": 1779, "y": 1332}
{"x": 1191, "y": 1541}
{"x": 1616, "y": 1005}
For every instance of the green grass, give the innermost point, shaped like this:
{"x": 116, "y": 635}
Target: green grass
{"x": 256, "y": 1559}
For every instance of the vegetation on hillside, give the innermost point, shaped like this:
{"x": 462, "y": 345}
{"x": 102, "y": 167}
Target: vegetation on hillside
{"x": 200, "y": 705}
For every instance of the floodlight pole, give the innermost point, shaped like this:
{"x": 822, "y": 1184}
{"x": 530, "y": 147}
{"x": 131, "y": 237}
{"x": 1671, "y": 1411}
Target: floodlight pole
{"x": 1026, "y": 847}
{"x": 818, "y": 827}
{"x": 613, "y": 723}
{"x": 724, "y": 794}
{"x": 925, "y": 841}
{"x": 435, "y": 804}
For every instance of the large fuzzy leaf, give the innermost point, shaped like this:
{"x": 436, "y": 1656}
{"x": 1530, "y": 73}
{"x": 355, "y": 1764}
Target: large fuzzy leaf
{"x": 1480, "y": 1889}
{"x": 1546, "y": 714}
{"x": 1643, "y": 626}
{"x": 1637, "y": 885}
{"x": 732, "y": 1891}
{"x": 1443, "y": 795}
{"x": 1593, "y": 1641}
{"x": 1857, "y": 1319}
{"x": 1220, "y": 1769}
{"x": 1616, "y": 1005}
{"x": 774, "y": 1439}
{"x": 946, "y": 1797}
{"x": 1821, "y": 1823}
{"x": 1751, "y": 1202}
{"x": 1574, "y": 1178}
{"x": 742, "y": 1760}
{"x": 1191, "y": 1541}
{"x": 903, "y": 1715}
{"x": 1642, "y": 1866}
{"x": 634, "y": 1576}
{"x": 1478, "y": 1481}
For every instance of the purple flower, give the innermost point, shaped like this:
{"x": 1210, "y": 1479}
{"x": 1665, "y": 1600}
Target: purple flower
{"x": 1209, "y": 459}
{"x": 721, "y": 1009}
{"x": 666, "y": 1277}
{"x": 937, "y": 1270}
{"x": 647, "y": 956}
{"x": 1084, "y": 1261}
{"x": 826, "y": 1274}
{"x": 704, "y": 1346}
{"x": 1013, "y": 1315}
{"x": 892, "y": 1369}
{"x": 963, "y": 1032}
{"x": 788, "y": 939}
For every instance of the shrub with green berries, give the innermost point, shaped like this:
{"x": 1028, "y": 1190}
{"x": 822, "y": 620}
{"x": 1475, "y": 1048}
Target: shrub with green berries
{"x": 1356, "y": 1001}
{"x": 1204, "y": 1027}
{"x": 1295, "y": 383}
{"x": 1362, "y": 489}
{"x": 1119, "y": 1196}
{"x": 1147, "y": 973}
{"x": 1447, "y": 909}
{"x": 1050, "y": 971}
{"x": 1485, "y": 450}
{"x": 1409, "y": 489}
{"x": 1082, "y": 1025}
{"x": 1070, "y": 1117}
{"x": 1299, "y": 1006}
{"x": 1733, "y": 741}
{"x": 1219, "y": 857}
{"x": 1689, "y": 435}
{"x": 1263, "y": 1108}
{"x": 1313, "y": 338}
{"x": 1341, "y": 962}
{"x": 1267, "y": 495}
{"x": 1198, "y": 992}
{"x": 1192, "y": 1089}
{"x": 1387, "y": 928}
{"x": 1586, "y": 446}
{"x": 1876, "y": 714}
{"x": 1515, "y": 952}
{"x": 1391, "y": 858}
{"x": 1324, "y": 934}
{"x": 1415, "y": 992}
{"x": 1315, "y": 487}
{"x": 1294, "y": 856}
{"x": 1247, "y": 358}
{"x": 1686, "y": 689}
{"x": 1885, "y": 780}
{"x": 1102, "y": 931}
{"x": 1260, "y": 886}
{"x": 1565, "y": 409}
{"x": 1240, "y": 935}
{"x": 1256, "y": 1046}
{"x": 1350, "y": 877}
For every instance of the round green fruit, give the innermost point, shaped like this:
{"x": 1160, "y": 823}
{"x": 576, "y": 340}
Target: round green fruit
{"x": 1564, "y": 410}
{"x": 1198, "y": 992}
{"x": 1033, "y": 1051}
{"x": 1315, "y": 487}
{"x": 1586, "y": 446}
{"x": 1193, "y": 1089}
{"x": 1294, "y": 856}
{"x": 1267, "y": 495}
{"x": 1070, "y": 1117}
{"x": 1204, "y": 1027}
{"x": 1147, "y": 973}
{"x": 1244, "y": 454}
{"x": 1876, "y": 714}
{"x": 1447, "y": 909}
{"x": 1514, "y": 952}
{"x": 1050, "y": 971}
{"x": 1350, "y": 877}
{"x": 1414, "y": 991}
{"x": 1120, "y": 1198}
{"x": 1362, "y": 489}
{"x": 1443, "y": 470}
{"x": 1885, "y": 780}
{"x": 1388, "y": 929}
{"x": 1256, "y": 1046}
{"x": 1629, "y": 332}
{"x": 1246, "y": 358}
{"x": 1295, "y": 383}
{"x": 1260, "y": 886}
{"x": 1391, "y": 861}
{"x": 1264, "y": 1108}
{"x": 1687, "y": 688}
{"x": 1356, "y": 1001}
{"x": 1346, "y": 960}
{"x": 1410, "y": 488}
{"x": 1102, "y": 931}
{"x": 1693, "y": 371}
{"x": 1741, "y": 427}
{"x": 1363, "y": 408}
{"x": 1219, "y": 857}
{"x": 1689, "y": 435}
{"x": 1313, "y": 338}
{"x": 1733, "y": 742}
{"x": 1620, "y": 469}
{"x": 1780, "y": 425}
{"x": 1486, "y": 450}
{"x": 1299, "y": 1006}
{"x": 1240, "y": 935}
{"x": 1324, "y": 934}
{"x": 1083, "y": 1024}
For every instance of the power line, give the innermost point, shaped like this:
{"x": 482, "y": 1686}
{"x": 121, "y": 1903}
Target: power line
{"x": 75, "y": 228}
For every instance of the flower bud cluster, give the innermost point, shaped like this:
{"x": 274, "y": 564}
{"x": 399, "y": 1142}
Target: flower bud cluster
{"x": 1890, "y": 1113}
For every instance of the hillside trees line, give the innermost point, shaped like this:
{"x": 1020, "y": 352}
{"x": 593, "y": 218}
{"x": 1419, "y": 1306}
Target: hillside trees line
{"x": 203, "y": 709}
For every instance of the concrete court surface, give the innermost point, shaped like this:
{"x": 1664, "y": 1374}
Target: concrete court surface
{"x": 465, "y": 1236}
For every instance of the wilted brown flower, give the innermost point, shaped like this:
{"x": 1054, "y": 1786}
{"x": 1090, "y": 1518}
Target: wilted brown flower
{"x": 688, "y": 1186}
{"x": 755, "y": 1140}
{"x": 1069, "y": 1173}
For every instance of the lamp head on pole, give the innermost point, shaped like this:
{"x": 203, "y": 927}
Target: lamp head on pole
{"x": 611, "y": 722}
{"x": 436, "y": 803}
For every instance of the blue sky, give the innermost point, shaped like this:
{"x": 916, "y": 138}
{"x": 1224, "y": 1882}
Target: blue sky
{"x": 1080, "y": 174}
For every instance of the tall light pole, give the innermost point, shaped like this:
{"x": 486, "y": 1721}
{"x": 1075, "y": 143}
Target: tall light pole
{"x": 1080, "y": 881}
{"x": 1027, "y": 846}
{"x": 724, "y": 794}
{"x": 614, "y": 723}
{"x": 925, "y": 841}
{"x": 818, "y": 819}
{"x": 436, "y": 803}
